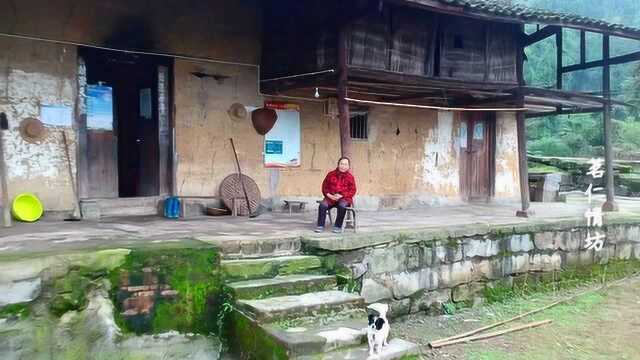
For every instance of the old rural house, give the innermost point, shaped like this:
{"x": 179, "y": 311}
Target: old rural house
{"x": 145, "y": 93}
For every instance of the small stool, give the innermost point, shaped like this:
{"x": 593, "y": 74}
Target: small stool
{"x": 234, "y": 201}
{"x": 349, "y": 218}
{"x": 289, "y": 204}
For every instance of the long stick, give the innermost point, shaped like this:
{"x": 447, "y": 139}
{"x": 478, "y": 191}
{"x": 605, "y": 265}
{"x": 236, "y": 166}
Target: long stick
{"x": 244, "y": 190}
{"x": 76, "y": 202}
{"x": 493, "y": 334}
{"x": 6, "y": 214}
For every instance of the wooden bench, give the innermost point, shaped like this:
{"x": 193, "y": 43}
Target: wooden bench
{"x": 288, "y": 204}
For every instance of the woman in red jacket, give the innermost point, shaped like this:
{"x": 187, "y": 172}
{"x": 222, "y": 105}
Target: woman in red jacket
{"x": 338, "y": 188}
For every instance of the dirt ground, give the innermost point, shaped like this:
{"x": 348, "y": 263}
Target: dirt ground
{"x": 603, "y": 324}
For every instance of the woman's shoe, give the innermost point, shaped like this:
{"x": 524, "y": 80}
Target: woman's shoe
{"x": 319, "y": 229}
{"x": 337, "y": 230}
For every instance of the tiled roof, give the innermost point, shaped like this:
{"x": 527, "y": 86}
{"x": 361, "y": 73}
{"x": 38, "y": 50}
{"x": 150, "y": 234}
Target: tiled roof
{"x": 533, "y": 15}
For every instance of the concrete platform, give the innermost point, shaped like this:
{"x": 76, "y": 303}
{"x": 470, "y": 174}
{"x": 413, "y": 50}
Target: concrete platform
{"x": 275, "y": 234}
{"x": 287, "y": 307}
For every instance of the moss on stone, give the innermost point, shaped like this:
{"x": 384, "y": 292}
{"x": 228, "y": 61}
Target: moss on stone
{"x": 21, "y": 311}
{"x": 300, "y": 265}
{"x": 250, "y": 341}
{"x": 70, "y": 292}
{"x": 193, "y": 273}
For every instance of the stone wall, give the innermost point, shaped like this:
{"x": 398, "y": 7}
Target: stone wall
{"x": 416, "y": 271}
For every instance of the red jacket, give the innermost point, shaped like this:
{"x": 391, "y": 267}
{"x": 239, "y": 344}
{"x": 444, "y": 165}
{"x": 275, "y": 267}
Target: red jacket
{"x": 337, "y": 182}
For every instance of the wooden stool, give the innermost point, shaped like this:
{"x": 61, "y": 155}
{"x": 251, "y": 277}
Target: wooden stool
{"x": 349, "y": 217}
{"x": 289, "y": 204}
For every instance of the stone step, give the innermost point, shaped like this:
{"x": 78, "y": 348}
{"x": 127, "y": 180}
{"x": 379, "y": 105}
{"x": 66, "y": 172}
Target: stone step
{"x": 296, "y": 306}
{"x": 397, "y": 349}
{"x": 318, "y": 338}
{"x": 249, "y": 269}
{"x": 233, "y": 249}
{"x": 281, "y": 285}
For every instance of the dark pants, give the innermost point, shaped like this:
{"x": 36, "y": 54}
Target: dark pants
{"x": 324, "y": 206}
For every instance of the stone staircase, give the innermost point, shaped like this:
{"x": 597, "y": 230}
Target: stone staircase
{"x": 288, "y": 307}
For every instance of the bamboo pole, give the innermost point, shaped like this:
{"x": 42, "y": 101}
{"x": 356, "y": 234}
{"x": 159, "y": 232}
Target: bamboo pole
{"x": 493, "y": 334}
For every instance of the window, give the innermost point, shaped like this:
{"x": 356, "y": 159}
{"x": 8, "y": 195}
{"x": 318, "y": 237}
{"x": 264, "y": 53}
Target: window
{"x": 359, "y": 125}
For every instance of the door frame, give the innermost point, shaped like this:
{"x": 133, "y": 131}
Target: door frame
{"x": 166, "y": 130}
{"x": 470, "y": 119}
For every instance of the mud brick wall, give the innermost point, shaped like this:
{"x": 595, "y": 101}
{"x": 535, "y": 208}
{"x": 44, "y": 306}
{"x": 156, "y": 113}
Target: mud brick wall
{"x": 414, "y": 275}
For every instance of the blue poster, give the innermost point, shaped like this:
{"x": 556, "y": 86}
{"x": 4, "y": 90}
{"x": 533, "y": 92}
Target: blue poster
{"x": 99, "y": 107}
{"x": 273, "y": 147}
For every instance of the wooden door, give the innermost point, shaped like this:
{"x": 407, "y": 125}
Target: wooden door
{"x": 477, "y": 157}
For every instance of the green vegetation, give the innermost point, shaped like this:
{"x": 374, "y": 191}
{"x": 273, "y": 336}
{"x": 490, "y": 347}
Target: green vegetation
{"x": 193, "y": 273}
{"x": 581, "y": 135}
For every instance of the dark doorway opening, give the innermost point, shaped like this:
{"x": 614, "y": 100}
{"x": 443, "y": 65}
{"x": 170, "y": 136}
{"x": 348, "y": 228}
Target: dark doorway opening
{"x": 127, "y": 126}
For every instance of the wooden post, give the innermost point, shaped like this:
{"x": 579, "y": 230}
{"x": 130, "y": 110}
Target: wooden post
{"x": 521, "y": 128}
{"x": 559, "y": 59}
{"x": 610, "y": 204}
{"x": 6, "y": 207}
{"x": 343, "y": 104}
{"x": 583, "y": 47}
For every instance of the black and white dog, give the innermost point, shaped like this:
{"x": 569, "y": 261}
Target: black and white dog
{"x": 378, "y": 329}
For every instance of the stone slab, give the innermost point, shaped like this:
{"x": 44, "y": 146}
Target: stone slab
{"x": 248, "y": 269}
{"x": 396, "y": 349}
{"x": 320, "y": 338}
{"x": 281, "y": 285}
{"x": 287, "y": 307}
{"x": 20, "y": 291}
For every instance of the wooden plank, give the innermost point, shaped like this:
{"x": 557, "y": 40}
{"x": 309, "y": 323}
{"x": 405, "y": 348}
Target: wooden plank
{"x": 539, "y": 35}
{"x": 343, "y": 105}
{"x": 502, "y": 48}
{"x": 164, "y": 131}
{"x": 622, "y": 59}
{"x": 563, "y": 112}
{"x": 82, "y": 167}
{"x": 382, "y": 76}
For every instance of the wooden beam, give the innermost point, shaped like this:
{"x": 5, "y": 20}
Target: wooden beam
{"x": 563, "y": 112}
{"x": 583, "y": 47}
{"x": 343, "y": 104}
{"x": 539, "y": 35}
{"x": 390, "y": 77}
{"x": 610, "y": 204}
{"x": 559, "y": 60}
{"x": 622, "y": 59}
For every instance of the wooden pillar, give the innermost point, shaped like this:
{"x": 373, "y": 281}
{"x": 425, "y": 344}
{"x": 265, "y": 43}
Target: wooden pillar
{"x": 343, "y": 104}
{"x": 610, "y": 204}
{"x": 523, "y": 165}
{"x": 559, "y": 59}
{"x": 521, "y": 128}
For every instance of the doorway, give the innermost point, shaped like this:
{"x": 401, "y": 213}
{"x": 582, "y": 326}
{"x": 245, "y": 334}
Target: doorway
{"x": 477, "y": 165}
{"x": 125, "y": 136}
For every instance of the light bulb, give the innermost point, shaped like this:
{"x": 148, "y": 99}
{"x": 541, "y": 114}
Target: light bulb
{"x": 317, "y": 94}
